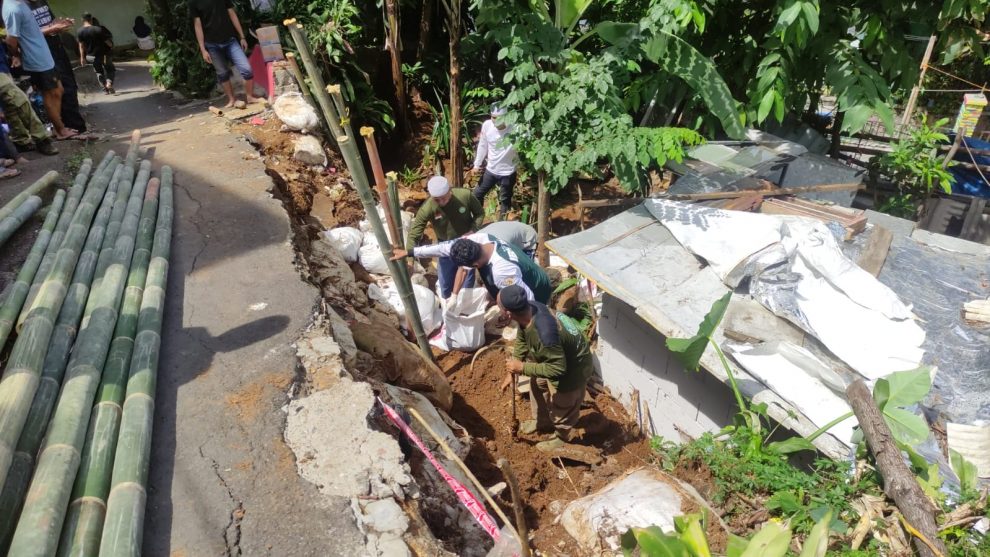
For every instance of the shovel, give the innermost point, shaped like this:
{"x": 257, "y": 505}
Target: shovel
{"x": 515, "y": 420}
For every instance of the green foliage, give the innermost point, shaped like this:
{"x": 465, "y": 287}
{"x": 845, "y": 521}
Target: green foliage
{"x": 688, "y": 351}
{"x": 966, "y": 472}
{"x": 899, "y": 390}
{"x": 475, "y": 103}
{"x": 410, "y": 176}
{"x": 901, "y": 205}
{"x": 914, "y": 162}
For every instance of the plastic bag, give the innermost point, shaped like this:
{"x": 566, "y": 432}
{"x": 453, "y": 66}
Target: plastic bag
{"x": 293, "y": 111}
{"x": 347, "y": 240}
{"x": 464, "y": 321}
{"x": 371, "y": 258}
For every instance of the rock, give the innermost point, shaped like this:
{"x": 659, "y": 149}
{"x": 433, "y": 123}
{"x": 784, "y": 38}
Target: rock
{"x": 385, "y": 516}
{"x": 308, "y": 150}
{"x": 329, "y": 270}
{"x": 283, "y": 79}
{"x": 342, "y": 334}
{"x": 387, "y": 545}
{"x": 320, "y": 356}
{"x": 348, "y": 459}
{"x": 297, "y": 114}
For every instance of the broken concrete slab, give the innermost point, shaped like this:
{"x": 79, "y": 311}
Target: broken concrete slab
{"x": 308, "y": 150}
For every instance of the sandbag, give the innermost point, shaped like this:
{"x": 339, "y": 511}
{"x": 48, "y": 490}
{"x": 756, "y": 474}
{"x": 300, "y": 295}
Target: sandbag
{"x": 426, "y": 302}
{"x": 369, "y": 235}
{"x": 293, "y": 111}
{"x": 463, "y": 322}
{"x": 371, "y": 258}
{"x": 347, "y": 240}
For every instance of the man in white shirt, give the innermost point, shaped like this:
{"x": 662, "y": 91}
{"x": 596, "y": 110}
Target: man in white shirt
{"x": 515, "y": 233}
{"x": 501, "y": 168}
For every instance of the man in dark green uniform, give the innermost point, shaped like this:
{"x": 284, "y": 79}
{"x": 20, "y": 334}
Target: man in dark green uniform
{"x": 555, "y": 355}
{"x": 453, "y": 213}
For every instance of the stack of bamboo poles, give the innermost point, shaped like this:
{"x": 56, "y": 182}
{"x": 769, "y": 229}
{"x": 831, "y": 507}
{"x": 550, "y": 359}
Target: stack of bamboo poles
{"x": 23, "y": 206}
{"x": 77, "y": 393}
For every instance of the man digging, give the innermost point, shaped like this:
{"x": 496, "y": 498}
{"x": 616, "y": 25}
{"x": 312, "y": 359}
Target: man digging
{"x": 555, "y": 355}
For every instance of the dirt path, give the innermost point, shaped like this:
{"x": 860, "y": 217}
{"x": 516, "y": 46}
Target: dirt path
{"x": 222, "y": 480}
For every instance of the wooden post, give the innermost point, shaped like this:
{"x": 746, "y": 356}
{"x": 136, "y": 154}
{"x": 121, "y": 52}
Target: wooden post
{"x": 424, "y": 29}
{"x": 913, "y": 99}
{"x": 517, "y": 506}
{"x": 542, "y": 220}
{"x": 898, "y": 482}
{"x": 455, "y": 172}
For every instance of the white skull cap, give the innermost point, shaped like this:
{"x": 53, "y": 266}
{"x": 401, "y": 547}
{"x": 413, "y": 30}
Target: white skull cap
{"x": 438, "y": 186}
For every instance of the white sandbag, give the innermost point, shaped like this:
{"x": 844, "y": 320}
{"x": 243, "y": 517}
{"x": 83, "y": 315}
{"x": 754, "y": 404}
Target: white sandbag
{"x": 369, "y": 236}
{"x": 293, "y": 111}
{"x": 642, "y": 498}
{"x": 464, "y": 320}
{"x": 370, "y": 256}
{"x": 347, "y": 240}
{"x": 426, "y": 302}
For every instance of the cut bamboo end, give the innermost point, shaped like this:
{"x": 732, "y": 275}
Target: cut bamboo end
{"x": 290, "y": 55}
{"x": 289, "y": 22}
{"x": 366, "y": 131}
{"x": 333, "y": 89}
{"x": 392, "y": 175}
{"x": 343, "y": 140}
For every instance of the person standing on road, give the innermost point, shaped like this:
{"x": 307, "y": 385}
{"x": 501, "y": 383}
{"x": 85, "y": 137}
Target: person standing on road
{"x": 453, "y": 213}
{"x": 493, "y": 145}
{"x": 555, "y": 355}
{"x": 96, "y": 41}
{"x": 26, "y": 130}
{"x": 52, "y": 28}
{"x": 499, "y": 265}
{"x": 30, "y": 51}
{"x": 222, "y": 43}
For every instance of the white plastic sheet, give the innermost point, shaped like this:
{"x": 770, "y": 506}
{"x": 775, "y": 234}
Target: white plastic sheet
{"x": 347, "y": 240}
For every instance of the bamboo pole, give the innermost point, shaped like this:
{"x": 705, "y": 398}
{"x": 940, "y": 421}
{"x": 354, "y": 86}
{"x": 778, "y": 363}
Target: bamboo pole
{"x": 123, "y": 528}
{"x": 391, "y": 180}
{"x": 34, "y": 189}
{"x": 517, "y": 504}
{"x": 18, "y": 291}
{"x": 360, "y": 178}
{"x": 342, "y": 110}
{"x": 460, "y": 463}
{"x": 290, "y": 57}
{"x": 20, "y": 381}
{"x": 52, "y": 370}
{"x": 21, "y": 214}
{"x": 38, "y": 528}
{"x": 394, "y": 228}
{"x": 84, "y": 521}
{"x": 128, "y": 184}
{"x": 921, "y": 79}
{"x": 319, "y": 86}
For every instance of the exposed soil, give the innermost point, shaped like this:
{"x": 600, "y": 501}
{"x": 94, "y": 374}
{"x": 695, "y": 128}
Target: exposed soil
{"x": 547, "y": 486}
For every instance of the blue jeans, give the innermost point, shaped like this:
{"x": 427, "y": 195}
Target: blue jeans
{"x": 446, "y": 271}
{"x": 226, "y": 54}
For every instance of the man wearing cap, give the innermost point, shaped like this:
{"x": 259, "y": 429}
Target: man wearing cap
{"x": 500, "y": 265}
{"x": 493, "y": 144}
{"x": 453, "y": 213}
{"x": 555, "y": 355}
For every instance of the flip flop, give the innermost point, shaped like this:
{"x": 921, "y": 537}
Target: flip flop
{"x": 7, "y": 162}
{"x": 9, "y": 173}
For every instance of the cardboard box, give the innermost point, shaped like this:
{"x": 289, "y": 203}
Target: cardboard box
{"x": 271, "y": 46}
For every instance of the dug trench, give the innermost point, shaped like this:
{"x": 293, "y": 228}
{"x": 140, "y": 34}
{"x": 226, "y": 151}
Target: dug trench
{"x": 320, "y": 199}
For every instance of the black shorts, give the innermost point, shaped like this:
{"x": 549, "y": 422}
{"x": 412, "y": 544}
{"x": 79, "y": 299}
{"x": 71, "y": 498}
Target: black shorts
{"x": 44, "y": 81}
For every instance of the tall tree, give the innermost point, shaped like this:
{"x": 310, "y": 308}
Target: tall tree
{"x": 455, "y": 26}
{"x": 393, "y": 42}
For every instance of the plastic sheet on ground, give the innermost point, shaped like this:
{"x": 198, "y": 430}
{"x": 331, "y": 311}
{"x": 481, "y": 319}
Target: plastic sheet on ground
{"x": 795, "y": 268}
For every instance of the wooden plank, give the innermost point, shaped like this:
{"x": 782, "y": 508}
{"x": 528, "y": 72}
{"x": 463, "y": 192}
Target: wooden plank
{"x": 748, "y": 203}
{"x": 875, "y": 251}
{"x": 853, "y": 224}
{"x": 765, "y": 193}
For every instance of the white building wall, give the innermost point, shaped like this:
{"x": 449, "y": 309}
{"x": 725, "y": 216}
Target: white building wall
{"x": 633, "y": 355}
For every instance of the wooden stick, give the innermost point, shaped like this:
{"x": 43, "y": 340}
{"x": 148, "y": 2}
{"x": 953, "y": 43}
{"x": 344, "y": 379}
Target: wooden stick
{"x": 592, "y": 203}
{"x": 898, "y": 482}
{"x": 514, "y": 391}
{"x": 522, "y": 531}
{"x": 460, "y": 463}
{"x": 560, "y": 462}
{"x": 636, "y": 409}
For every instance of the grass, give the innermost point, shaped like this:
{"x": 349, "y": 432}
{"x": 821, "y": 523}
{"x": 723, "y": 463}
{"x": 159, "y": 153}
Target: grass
{"x": 73, "y": 163}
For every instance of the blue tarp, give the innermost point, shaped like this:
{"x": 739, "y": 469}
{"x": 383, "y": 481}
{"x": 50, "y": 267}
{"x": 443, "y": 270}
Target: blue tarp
{"x": 969, "y": 182}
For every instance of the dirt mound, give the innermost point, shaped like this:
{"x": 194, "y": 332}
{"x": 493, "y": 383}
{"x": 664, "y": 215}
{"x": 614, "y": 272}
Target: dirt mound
{"x": 547, "y": 486}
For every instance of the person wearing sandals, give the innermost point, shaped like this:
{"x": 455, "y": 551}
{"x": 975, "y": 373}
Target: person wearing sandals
{"x": 8, "y": 157}
{"x": 95, "y": 40}
{"x": 222, "y": 43}
{"x": 27, "y": 132}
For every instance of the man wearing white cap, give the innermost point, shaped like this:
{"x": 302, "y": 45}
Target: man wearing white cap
{"x": 453, "y": 212}
{"x": 493, "y": 144}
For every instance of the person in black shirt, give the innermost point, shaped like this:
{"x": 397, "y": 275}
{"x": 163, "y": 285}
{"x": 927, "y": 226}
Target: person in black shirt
{"x": 96, "y": 41}
{"x": 222, "y": 43}
{"x": 141, "y": 29}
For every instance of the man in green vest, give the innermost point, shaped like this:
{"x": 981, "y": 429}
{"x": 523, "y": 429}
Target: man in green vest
{"x": 453, "y": 212}
{"x": 555, "y": 355}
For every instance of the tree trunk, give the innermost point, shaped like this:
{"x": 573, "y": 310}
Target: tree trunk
{"x": 898, "y": 482}
{"x": 424, "y": 29}
{"x": 161, "y": 13}
{"x": 836, "y": 134}
{"x": 542, "y": 220}
{"x": 456, "y": 170}
{"x": 393, "y": 42}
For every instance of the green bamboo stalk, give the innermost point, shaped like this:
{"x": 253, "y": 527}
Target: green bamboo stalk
{"x": 21, "y": 214}
{"x": 24, "y": 366}
{"x": 75, "y": 194}
{"x": 19, "y": 289}
{"x": 52, "y": 371}
{"x": 41, "y": 520}
{"x": 84, "y": 521}
{"x": 123, "y": 529}
{"x": 107, "y": 157}
{"x": 128, "y": 182}
{"x": 360, "y": 180}
{"x": 330, "y": 115}
{"x": 342, "y": 111}
{"x": 34, "y": 189}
